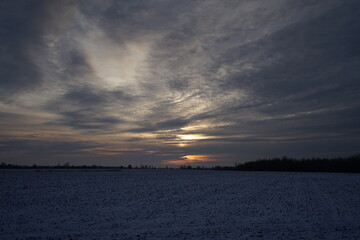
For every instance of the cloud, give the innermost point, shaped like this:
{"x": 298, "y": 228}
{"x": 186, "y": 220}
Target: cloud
{"x": 87, "y": 120}
{"x": 88, "y": 108}
{"x": 183, "y": 75}
{"x": 20, "y": 31}
{"x": 26, "y": 151}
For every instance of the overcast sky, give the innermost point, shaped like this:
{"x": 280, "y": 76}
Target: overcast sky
{"x": 166, "y": 82}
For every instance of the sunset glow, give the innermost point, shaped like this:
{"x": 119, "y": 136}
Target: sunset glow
{"x": 193, "y": 137}
{"x": 190, "y": 159}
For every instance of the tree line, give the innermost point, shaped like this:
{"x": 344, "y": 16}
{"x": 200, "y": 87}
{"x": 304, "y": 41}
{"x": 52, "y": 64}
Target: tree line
{"x": 285, "y": 164}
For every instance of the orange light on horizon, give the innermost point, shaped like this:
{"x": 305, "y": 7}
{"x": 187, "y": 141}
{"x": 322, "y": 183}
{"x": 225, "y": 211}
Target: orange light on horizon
{"x": 189, "y": 159}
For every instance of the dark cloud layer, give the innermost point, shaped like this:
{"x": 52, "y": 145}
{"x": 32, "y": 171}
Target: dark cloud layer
{"x": 19, "y": 32}
{"x": 161, "y": 80}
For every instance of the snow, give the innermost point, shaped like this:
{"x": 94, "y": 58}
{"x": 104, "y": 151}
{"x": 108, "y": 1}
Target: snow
{"x": 178, "y": 204}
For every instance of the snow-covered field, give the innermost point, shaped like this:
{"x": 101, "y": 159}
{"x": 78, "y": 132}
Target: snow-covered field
{"x": 178, "y": 204}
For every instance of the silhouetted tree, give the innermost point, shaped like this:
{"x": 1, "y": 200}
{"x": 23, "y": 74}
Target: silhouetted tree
{"x": 350, "y": 164}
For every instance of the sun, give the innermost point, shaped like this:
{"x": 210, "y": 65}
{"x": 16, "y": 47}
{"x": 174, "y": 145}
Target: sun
{"x": 189, "y": 137}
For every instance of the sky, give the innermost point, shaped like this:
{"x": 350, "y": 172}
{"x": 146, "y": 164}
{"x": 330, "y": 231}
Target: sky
{"x": 166, "y": 83}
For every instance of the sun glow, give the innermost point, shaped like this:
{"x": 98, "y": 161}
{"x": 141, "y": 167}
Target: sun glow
{"x": 189, "y": 159}
{"x": 189, "y": 137}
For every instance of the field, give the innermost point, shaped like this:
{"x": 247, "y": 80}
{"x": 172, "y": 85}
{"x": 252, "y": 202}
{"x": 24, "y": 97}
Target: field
{"x": 178, "y": 204}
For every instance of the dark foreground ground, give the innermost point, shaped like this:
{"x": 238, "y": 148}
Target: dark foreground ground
{"x": 178, "y": 204}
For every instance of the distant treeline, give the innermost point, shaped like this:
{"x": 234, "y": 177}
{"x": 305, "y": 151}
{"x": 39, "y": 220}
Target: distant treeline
{"x": 68, "y": 166}
{"x": 285, "y": 164}
{"x": 340, "y": 165}
{"x": 64, "y": 166}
